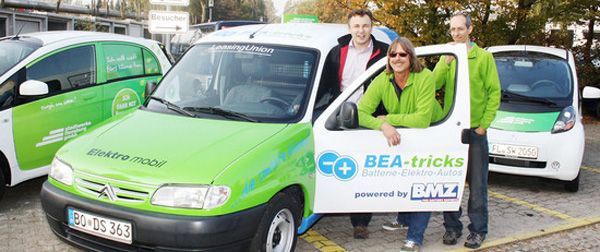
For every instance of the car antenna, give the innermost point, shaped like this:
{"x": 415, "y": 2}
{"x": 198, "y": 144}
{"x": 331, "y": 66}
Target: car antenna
{"x": 252, "y": 35}
{"x": 18, "y": 33}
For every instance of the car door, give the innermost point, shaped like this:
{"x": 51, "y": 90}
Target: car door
{"x": 358, "y": 172}
{"x": 124, "y": 69}
{"x": 41, "y": 125}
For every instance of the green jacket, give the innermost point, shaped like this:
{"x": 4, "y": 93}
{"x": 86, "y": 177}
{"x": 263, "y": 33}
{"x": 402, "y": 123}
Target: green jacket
{"x": 484, "y": 86}
{"x": 414, "y": 109}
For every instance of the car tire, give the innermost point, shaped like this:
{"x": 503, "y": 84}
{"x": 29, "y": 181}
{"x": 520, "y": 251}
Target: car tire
{"x": 2, "y": 184}
{"x": 278, "y": 228}
{"x": 573, "y": 185}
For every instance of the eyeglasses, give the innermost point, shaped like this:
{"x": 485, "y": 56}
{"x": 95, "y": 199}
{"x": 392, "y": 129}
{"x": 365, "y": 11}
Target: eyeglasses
{"x": 402, "y": 55}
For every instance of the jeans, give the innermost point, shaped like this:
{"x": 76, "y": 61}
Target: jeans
{"x": 417, "y": 223}
{"x": 477, "y": 177}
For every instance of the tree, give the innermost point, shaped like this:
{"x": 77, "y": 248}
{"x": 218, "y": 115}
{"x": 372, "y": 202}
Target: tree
{"x": 270, "y": 12}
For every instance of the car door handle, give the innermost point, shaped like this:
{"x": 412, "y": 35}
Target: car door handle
{"x": 88, "y": 96}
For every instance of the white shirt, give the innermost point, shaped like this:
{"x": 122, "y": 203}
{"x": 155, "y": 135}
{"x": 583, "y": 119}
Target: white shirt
{"x": 356, "y": 64}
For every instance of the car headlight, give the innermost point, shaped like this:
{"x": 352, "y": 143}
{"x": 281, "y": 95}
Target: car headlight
{"x": 565, "y": 121}
{"x": 191, "y": 196}
{"x": 61, "y": 172}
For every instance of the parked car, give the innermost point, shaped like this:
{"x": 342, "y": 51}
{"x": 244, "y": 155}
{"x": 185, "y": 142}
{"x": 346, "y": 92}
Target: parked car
{"x": 237, "y": 150}
{"x": 538, "y": 130}
{"x": 181, "y": 42}
{"x": 57, "y": 85}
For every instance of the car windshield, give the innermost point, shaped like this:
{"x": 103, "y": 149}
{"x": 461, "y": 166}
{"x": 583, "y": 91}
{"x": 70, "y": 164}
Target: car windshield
{"x": 543, "y": 77}
{"x": 240, "y": 81}
{"x": 12, "y": 51}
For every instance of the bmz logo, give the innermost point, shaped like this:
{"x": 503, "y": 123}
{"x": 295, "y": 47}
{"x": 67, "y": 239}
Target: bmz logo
{"x": 343, "y": 168}
{"x": 434, "y": 192}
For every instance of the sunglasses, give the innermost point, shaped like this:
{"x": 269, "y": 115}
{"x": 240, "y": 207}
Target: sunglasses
{"x": 402, "y": 55}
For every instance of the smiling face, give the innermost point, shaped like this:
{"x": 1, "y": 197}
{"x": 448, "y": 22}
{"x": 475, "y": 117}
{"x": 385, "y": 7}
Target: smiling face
{"x": 399, "y": 59}
{"x": 360, "y": 28}
{"x": 459, "y": 30}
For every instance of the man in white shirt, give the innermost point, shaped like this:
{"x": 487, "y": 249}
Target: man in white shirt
{"x": 354, "y": 53}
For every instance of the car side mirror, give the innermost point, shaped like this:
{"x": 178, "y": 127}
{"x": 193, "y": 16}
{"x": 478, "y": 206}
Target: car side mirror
{"x": 591, "y": 92}
{"x": 348, "y": 116}
{"x": 345, "y": 117}
{"x": 150, "y": 86}
{"x": 33, "y": 88}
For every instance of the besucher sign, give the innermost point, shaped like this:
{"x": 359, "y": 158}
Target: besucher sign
{"x": 168, "y": 22}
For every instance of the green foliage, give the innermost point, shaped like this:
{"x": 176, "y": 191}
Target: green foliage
{"x": 239, "y": 9}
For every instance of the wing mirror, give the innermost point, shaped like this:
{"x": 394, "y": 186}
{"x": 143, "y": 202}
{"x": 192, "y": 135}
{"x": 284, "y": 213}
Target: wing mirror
{"x": 591, "y": 92}
{"x": 346, "y": 117}
{"x": 33, "y": 88}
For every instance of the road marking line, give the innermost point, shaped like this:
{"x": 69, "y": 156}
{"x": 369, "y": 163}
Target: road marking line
{"x": 532, "y": 206}
{"x": 321, "y": 242}
{"x": 587, "y": 168}
{"x": 577, "y": 223}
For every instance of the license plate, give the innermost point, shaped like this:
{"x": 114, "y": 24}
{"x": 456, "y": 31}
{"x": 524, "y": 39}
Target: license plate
{"x": 108, "y": 228}
{"x": 519, "y": 151}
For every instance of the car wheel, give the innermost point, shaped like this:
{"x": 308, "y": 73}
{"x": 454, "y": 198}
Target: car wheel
{"x": 2, "y": 184}
{"x": 277, "y": 231}
{"x": 573, "y": 185}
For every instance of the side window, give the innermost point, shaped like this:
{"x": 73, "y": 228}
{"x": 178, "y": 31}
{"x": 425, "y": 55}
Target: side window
{"x": 151, "y": 66}
{"x": 123, "y": 61}
{"x": 68, "y": 69}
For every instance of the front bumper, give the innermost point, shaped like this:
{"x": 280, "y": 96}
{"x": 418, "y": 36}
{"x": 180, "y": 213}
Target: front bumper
{"x": 152, "y": 231}
{"x": 559, "y": 155}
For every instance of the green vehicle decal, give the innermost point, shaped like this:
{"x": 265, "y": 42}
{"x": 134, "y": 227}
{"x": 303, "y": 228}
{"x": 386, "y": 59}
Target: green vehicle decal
{"x": 41, "y": 127}
{"x": 525, "y": 122}
{"x": 283, "y": 153}
{"x": 125, "y": 100}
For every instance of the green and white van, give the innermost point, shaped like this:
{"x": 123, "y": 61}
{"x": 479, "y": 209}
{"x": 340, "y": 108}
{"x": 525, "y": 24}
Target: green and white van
{"x": 538, "y": 130}
{"x": 236, "y": 150}
{"x": 56, "y": 85}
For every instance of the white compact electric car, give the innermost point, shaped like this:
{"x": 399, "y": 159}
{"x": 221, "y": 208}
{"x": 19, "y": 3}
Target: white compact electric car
{"x": 538, "y": 130}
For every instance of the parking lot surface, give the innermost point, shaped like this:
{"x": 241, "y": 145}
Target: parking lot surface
{"x": 526, "y": 214}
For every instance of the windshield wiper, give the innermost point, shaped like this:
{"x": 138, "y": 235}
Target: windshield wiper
{"x": 222, "y": 112}
{"x": 512, "y": 96}
{"x": 172, "y": 106}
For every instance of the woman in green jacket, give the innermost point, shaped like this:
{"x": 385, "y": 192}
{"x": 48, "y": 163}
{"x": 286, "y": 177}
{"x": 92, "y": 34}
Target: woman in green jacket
{"x": 408, "y": 95}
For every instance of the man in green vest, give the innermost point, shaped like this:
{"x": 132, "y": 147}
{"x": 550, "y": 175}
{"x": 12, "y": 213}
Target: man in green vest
{"x": 485, "y": 100}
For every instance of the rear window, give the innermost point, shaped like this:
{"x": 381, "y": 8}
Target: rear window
{"x": 535, "y": 75}
{"x": 123, "y": 61}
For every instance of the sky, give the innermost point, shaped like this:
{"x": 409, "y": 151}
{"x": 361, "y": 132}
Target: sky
{"x": 279, "y": 6}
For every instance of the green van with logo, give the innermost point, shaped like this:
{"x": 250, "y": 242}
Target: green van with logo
{"x": 223, "y": 156}
{"x": 56, "y": 85}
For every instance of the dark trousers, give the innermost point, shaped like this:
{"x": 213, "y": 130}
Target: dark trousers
{"x": 360, "y": 219}
{"x": 477, "y": 177}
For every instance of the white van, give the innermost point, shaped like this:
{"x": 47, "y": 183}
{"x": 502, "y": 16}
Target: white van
{"x": 538, "y": 130}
